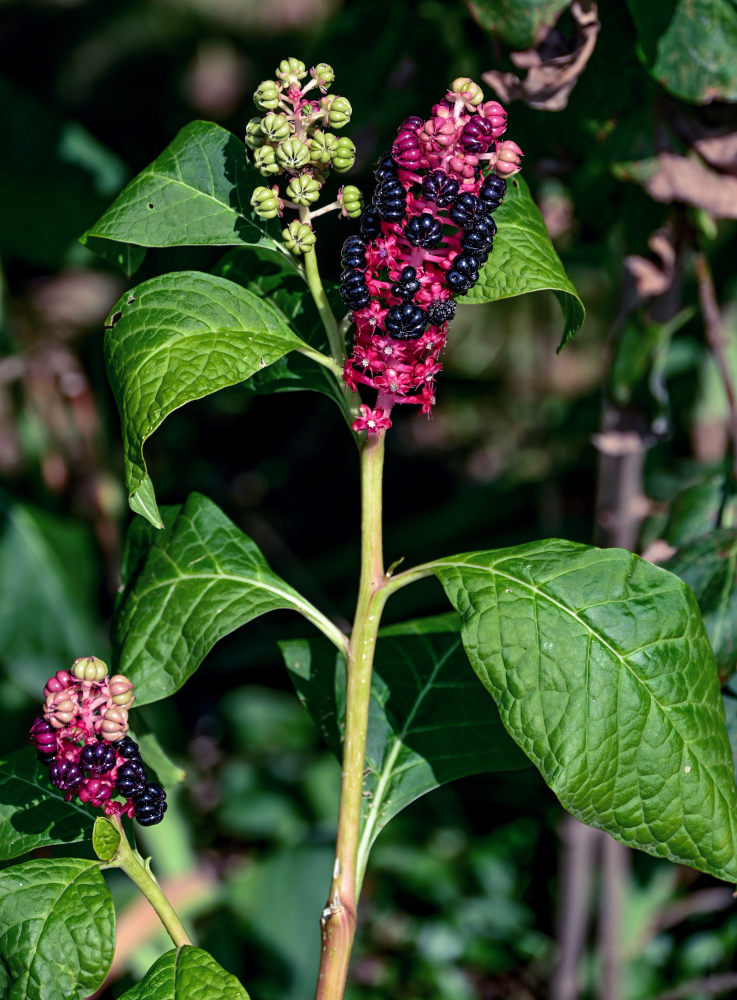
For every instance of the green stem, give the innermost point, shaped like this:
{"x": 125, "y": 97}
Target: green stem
{"x": 142, "y": 877}
{"x": 314, "y": 283}
{"x": 339, "y": 916}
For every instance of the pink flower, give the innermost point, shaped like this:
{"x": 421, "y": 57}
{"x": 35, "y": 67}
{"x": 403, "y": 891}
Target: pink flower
{"x": 372, "y": 421}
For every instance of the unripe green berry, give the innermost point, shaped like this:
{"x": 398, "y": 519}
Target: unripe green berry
{"x": 322, "y": 147}
{"x": 265, "y": 202}
{"x": 89, "y": 668}
{"x": 324, "y": 74}
{"x": 265, "y": 161}
{"x": 345, "y": 155}
{"x": 291, "y": 71}
{"x": 303, "y": 189}
{"x": 121, "y": 691}
{"x": 465, "y": 85}
{"x": 275, "y": 127}
{"x": 266, "y": 96}
{"x": 351, "y": 201}
{"x": 292, "y": 155}
{"x": 298, "y": 237}
{"x": 114, "y": 724}
{"x": 337, "y": 110}
{"x": 254, "y": 136}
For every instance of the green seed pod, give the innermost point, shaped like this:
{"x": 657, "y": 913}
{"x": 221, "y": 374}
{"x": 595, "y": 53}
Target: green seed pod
{"x": 337, "y": 110}
{"x": 291, "y": 71}
{"x": 265, "y": 161}
{"x": 89, "y": 668}
{"x": 121, "y": 691}
{"x": 266, "y": 97}
{"x": 322, "y": 146}
{"x": 345, "y": 155}
{"x": 265, "y": 202}
{"x": 114, "y": 724}
{"x": 324, "y": 74}
{"x": 303, "y": 189}
{"x": 292, "y": 155}
{"x": 351, "y": 201}
{"x": 275, "y": 127}
{"x": 297, "y": 237}
{"x": 254, "y": 136}
{"x": 465, "y": 85}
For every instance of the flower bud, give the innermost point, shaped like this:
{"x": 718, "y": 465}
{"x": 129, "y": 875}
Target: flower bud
{"x": 337, "y": 110}
{"x": 264, "y": 160}
{"x": 298, "y": 237}
{"x": 254, "y": 136}
{"x": 345, "y": 155}
{"x": 303, "y": 189}
{"x": 114, "y": 724}
{"x": 89, "y": 668}
{"x": 322, "y": 146}
{"x": 465, "y": 88}
{"x": 508, "y": 158}
{"x": 121, "y": 690}
{"x": 266, "y": 97}
{"x": 62, "y": 679}
{"x": 324, "y": 75}
{"x": 275, "y": 127}
{"x": 292, "y": 155}
{"x": 265, "y": 202}
{"x": 291, "y": 71}
{"x": 351, "y": 201}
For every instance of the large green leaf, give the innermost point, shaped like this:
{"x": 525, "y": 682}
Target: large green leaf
{"x": 429, "y": 722}
{"x": 689, "y": 46}
{"x": 187, "y": 973}
{"x": 521, "y": 23}
{"x": 602, "y": 672}
{"x": 709, "y": 565}
{"x": 32, "y": 812}
{"x": 524, "y": 260}
{"x": 57, "y": 928}
{"x": 185, "y": 588}
{"x": 47, "y": 573}
{"x": 197, "y": 192}
{"x": 177, "y": 338}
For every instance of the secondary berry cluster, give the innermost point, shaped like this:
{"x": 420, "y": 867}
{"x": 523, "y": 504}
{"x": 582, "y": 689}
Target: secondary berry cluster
{"x": 81, "y": 738}
{"x": 293, "y": 137}
{"x": 424, "y": 238}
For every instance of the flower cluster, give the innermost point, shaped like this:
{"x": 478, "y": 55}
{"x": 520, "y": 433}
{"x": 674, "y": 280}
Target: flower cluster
{"x": 423, "y": 240}
{"x": 292, "y": 138}
{"x": 81, "y": 737}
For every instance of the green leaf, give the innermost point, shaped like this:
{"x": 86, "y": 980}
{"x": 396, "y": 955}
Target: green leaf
{"x": 197, "y": 192}
{"x": 194, "y": 583}
{"x": 602, "y": 672}
{"x": 153, "y": 753}
{"x": 57, "y": 928}
{"x": 521, "y": 23}
{"x": 524, "y": 260}
{"x": 708, "y": 565}
{"x": 126, "y": 256}
{"x": 187, "y": 973}
{"x": 177, "y": 338}
{"x": 32, "y": 812}
{"x": 429, "y": 722}
{"x": 689, "y": 47}
{"x": 105, "y": 838}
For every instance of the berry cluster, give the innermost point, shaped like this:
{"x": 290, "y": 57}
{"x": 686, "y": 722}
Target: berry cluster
{"x": 424, "y": 238}
{"x": 81, "y": 737}
{"x": 291, "y": 138}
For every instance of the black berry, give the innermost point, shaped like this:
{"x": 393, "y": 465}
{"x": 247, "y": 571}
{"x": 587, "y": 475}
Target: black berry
{"x": 441, "y": 311}
{"x": 463, "y": 210}
{"x": 423, "y": 231}
{"x": 439, "y": 187}
{"x": 370, "y": 224}
{"x": 405, "y": 322}
{"x": 408, "y": 285}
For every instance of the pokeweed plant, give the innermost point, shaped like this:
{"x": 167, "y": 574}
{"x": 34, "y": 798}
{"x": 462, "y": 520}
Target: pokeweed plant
{"x": 592, "y": 664}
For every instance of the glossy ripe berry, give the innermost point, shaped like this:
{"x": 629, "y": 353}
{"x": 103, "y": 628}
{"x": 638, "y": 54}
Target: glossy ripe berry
{"x": 65, "y": 775}
{"x": 441, "y": 311}
{"x": 477, "y": 135}
{"x": 370, "y": 224}
{"x": 353, "y": 253}
{"x": 390, "y": 200}
{"x": 463, "y": 210}
{"x": 405, "y": 322}
{"x": 98, "y": 758}
{"x": 128, "y": 748}
{"x": 353, "y": 288}
{"x": 131, "y": 779}
{"x": 458, "y": 283}
{"x": 477, "y": 241}
{"x": 408, "y": 286}
{"x": 423, "y": 231}
{"x": 439, "y": 187}
{"x": 412, "y": 124}
{"x": 150, "y": 805}
{"x": 385, "y": 168}
{"x": 43, "y": 737}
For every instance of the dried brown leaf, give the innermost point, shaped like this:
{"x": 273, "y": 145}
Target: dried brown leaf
{"x": 654, "y": 277}
{"x": 679, "y": 178}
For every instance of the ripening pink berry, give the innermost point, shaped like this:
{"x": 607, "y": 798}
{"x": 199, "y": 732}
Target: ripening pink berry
{"x": 508, "y": 158}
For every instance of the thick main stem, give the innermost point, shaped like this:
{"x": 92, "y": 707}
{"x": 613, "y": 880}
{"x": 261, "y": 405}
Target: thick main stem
{"x": 338, "y": 923}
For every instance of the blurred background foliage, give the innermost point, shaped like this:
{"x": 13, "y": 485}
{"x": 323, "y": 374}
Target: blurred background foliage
{"x": 626, "y": 115}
